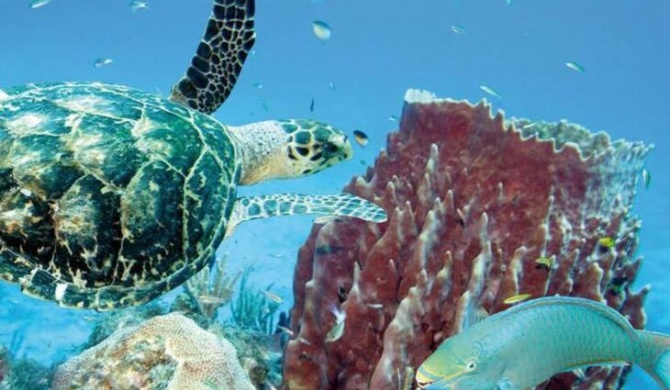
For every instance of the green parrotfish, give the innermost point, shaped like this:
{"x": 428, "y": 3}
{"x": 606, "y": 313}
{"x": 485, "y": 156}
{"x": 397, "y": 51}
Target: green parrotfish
{"x": 529, "y": 343}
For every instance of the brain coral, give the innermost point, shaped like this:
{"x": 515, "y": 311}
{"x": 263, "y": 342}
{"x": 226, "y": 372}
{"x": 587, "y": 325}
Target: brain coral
{"x": 166, "y": 352}
{"x": 480, "y": 210}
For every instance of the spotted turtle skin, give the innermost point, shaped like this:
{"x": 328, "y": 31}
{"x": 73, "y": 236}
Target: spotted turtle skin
{"x": 109, "y": 197}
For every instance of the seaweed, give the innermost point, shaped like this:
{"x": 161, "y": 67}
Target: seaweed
{"x": 252, "y": 310}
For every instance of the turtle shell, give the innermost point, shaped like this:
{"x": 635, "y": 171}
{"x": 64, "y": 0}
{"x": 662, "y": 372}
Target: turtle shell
{"x": 109, "y": 197}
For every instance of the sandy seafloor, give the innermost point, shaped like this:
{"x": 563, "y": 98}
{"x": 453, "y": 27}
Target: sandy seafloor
{"x": 378, "y": 49}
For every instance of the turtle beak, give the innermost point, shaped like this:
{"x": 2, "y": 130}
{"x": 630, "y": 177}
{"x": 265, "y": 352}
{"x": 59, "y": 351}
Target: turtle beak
{"x": 347, "y": 150}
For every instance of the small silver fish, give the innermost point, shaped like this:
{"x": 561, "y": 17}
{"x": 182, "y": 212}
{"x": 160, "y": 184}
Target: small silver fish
{"x": 136, "y": 5}
{"x": 331, "y": 85}
{"x": 321, "y": 30}
{"x": 211, "y": 299}
{"x": 311, "y": 106}
{"x": 393, "y": 118}
{"x": 530, "y": 342}
{"x": 100, "y": 62}
{"x": 488, "y": 89}
{"x": 258, "y": 85}
{"x": 458, "y": 29}
{"x": 337, "y": 330}
{"x": 575, "y": 66}
{"x": 38, "y": 3}
{"x": 646, "y": 178}
{"x": 273, "y": 297}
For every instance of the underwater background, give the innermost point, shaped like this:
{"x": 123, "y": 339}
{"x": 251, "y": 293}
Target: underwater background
{"x": 357, "y": 80}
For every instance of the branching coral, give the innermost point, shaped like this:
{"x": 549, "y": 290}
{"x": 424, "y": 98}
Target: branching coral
{"x": 211, "y": 288}
{"x": 480, "y": 210}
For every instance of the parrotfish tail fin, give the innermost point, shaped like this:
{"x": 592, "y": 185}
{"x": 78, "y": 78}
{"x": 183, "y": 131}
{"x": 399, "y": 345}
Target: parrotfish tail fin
{"x": 657, "y": 359}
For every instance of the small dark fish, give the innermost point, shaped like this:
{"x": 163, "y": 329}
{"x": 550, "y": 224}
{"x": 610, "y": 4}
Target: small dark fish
{"x": 361, "y": 138}
{"x": 311, "y": 106}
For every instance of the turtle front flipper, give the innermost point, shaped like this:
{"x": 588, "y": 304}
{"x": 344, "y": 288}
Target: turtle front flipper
{"x": 217, "y": 63}
{"x": 266, "y": 206}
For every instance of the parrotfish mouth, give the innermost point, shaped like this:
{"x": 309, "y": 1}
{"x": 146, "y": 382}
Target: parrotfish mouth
{"x": 424, "y": 379}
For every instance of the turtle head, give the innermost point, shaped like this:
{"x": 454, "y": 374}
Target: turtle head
{"x": 288, "y": 148}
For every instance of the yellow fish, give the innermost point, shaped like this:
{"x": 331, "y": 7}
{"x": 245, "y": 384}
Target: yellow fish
{"x": 516, "y": 299}
{"x": 606, "y": 242}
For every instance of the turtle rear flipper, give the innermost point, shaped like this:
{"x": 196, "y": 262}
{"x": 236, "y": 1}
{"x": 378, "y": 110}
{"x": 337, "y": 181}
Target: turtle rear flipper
{"x": 217, "y": 63}
{"x": 265, "y": 206}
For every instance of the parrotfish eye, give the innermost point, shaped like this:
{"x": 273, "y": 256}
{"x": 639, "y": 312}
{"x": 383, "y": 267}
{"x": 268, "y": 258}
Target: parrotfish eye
{"x": 471, "y": 365}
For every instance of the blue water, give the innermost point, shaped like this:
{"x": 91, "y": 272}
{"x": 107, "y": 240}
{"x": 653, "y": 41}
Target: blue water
{"x": 378, "y": 49}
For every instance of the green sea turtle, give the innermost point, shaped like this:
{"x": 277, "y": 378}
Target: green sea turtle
{"x": 110, "y": 197}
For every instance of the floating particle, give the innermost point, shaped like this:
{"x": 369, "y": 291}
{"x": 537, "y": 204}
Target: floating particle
{"x": 516, "y": 299}
{"x": 321, "y": 30}
{"x": 490, "y": 91}
{"x": 575, "y": 66}
{"x": 458, "y": 29}
{"x": 136, "y": 5}
{"x": 393, "y": 118}
{"x": 100, "y": 62}
{"x": 258, "y": 85}
{"x": 646, "y": 178}
{"x": 39, "y": 3}
{"x": 361, "y": 138}
{"x": 311, "y": 106}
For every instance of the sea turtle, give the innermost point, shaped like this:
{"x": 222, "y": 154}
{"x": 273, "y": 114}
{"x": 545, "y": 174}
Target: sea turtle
{"x": 110, "y": 197}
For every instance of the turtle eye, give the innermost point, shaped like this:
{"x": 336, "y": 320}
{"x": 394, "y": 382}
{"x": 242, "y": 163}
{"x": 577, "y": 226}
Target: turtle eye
{"x": 330, "y": 148}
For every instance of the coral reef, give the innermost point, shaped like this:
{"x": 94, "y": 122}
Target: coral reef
{"x": 165, "y": 352}
{"x": 480, "y": 210}
{"x": 24, "y": 374}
